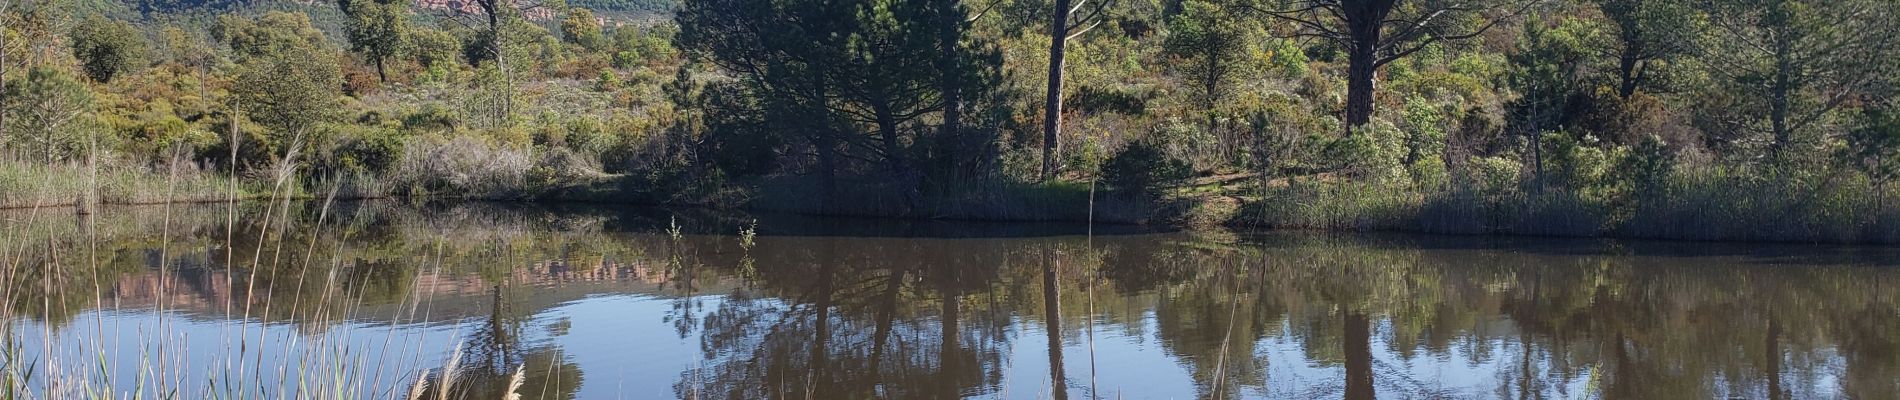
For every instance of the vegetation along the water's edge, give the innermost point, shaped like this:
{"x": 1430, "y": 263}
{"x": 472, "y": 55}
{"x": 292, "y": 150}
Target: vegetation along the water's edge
{"x": 1708, "y": 120}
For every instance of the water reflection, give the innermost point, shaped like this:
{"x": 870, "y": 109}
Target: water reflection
{"x": 595, "y": 303}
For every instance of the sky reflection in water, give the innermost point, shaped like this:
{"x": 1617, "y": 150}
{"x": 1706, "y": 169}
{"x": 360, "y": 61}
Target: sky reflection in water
{"x": 607, "y": 303}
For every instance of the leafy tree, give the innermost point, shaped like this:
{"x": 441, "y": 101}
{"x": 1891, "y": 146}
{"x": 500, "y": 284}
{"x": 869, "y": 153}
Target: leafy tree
{"x": 289, "y": 82}
{"x": 502, "y": 20}
{"x": 290, "y": 94}
{"x": 582, "y": 28}
{"x": 1209, "y": 46}
{"x": 433, "y": 48}
{"x": 1794, "y": 62}
{"x": 1874, "y": 149}
{"x": 1377, "y": 32}
{"x": 1647, "y": 32}
{"x": 107, "y": 47}
{"x": 635, "y": 45}
{"x": 497, "y": 75}
{"x": 48, "y": 114}
{"x": 1550, "y": 72}
{"x": 186, "y": 47}
{"x": 377, "y": 29}
{"x": 273, "y": 33}
{"x": 855, "y": 79}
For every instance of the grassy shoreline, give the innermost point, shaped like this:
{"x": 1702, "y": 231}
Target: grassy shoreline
{"x": 1721, "y": 206}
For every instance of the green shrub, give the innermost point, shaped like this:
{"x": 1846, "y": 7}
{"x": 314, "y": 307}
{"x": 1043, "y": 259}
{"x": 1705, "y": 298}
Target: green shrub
{"x": 1647, "y": 168}
{"x": 1375, "y": 151}
{"x": 607, "y": 81}
{"x": 1495, "y": 175}
{"x": 432, "y": 116}
{"x": 1143, "y": 170}
{"x": 371, "y": 150}
{"x": 588, "y": 137}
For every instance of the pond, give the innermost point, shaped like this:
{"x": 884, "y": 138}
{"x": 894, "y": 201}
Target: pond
{"x": 384, "y": 300}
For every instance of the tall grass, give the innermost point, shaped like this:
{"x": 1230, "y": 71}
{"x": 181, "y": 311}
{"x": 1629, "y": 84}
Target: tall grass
{"x": 33, "y": 184}
{"x": 47, "y": 258}
{"x": 1694, "y": 204}
{"x": 1729, "y": 205}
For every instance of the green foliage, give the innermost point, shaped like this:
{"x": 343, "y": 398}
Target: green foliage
{"x": 1376, "y": 152}
{"x": 1547, "y": 72}
{"x": 1425, "y": 135}
{"x": 1874, "y": 146}
{"x": 1281, "y": 139}
{"x": 1093, "y": 99}
{"x": 1648, "y": 167}
{"x": 581, "y": 28}
{"x": 377, "y": 29}
{"x": 633, "y": 46}
{"x": 485, "y": 103}
{"x": 1581, "y": 166}
{"x": 289, "y": 83}
{"x": 1650, "y": 35}
{"x": 1284, "y": 56}
{"x": 866, "y": 73}
{"x": 587, "y": 136}
{"x": 48, "y": 115}
{"x": 107, "y": 47}
{"x": 518, "y": 41}
{"x": 1209, "y": 45}
{"x": 433, "y": 47}
{"x": 361, "y": 149}
{"x": 1142, "y": 169}
{"x": 1779, "y": 67}
{"x": 273, "y": 33}
{"x": 1496, "y": 176}
{"x": 607, "y": 81}
{"x": 1688, "y": 98}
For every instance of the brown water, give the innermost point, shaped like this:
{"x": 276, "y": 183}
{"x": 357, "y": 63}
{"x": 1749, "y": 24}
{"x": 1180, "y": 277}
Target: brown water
{"x": 360, "y": 300}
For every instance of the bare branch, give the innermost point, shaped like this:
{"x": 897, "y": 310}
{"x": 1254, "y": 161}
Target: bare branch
{"x": 985, "y": 11}
{"x": 1312, "y": 24}
{"x": 1434, "y": 36}
{"x": 1085, "y": 29}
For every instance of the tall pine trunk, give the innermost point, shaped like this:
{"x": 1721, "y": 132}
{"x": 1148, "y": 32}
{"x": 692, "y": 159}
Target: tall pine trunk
{"x": 1780, "y": 88}
{"x": 1361, "y": 73}
{"x": 1364, "y": 20}
{"x": 1052, "y": 316}
{"x": 1052, "y": 105}
{"x": 951, "y": 85}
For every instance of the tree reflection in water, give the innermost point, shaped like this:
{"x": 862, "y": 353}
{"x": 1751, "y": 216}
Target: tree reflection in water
{"x": 829, "y": 316}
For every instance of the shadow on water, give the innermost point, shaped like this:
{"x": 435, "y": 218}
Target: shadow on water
{"x": 620, "y": 218}
{"x": 1779, "y": 254}
{"x": 591, "y": 302}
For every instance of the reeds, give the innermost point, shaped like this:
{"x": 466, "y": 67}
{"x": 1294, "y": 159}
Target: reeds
{"x": 34, "y": 184}
{"x": 1700, "y": 204}
{"x": 51, "y": 261}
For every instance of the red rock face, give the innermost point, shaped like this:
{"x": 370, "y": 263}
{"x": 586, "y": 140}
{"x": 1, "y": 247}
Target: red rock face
{"x": 530, "y": 9}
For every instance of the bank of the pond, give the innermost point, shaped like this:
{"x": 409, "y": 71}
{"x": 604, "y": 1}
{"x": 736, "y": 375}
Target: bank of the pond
{"x": 1706, "y": 209}
{"x": 1691, "y": 207}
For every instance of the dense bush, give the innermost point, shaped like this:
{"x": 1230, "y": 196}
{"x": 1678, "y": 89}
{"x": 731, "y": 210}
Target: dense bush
{"x": 1142, "y": 169}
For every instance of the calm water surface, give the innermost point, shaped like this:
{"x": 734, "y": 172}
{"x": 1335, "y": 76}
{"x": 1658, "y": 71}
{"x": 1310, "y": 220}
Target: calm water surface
{"x": 363, "y": 299}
